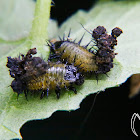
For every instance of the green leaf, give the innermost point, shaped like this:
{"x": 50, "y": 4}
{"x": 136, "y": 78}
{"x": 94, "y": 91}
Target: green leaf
{"x": 15, "y": 23}
{"x": 14, "y": 113}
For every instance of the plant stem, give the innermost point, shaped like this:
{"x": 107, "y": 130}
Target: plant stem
{"x": 38, "y": 34}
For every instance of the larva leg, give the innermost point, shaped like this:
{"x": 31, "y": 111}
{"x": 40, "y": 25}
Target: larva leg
{"x": 57, "y": 91}
{"x": 44, "y": 93}
{"x": 25, "y": 92}
{"x": 66, "y": 87}
{"x": 47, "y": 91}
{"x": 73, "y": 89}
{"x": 96, "y": 76}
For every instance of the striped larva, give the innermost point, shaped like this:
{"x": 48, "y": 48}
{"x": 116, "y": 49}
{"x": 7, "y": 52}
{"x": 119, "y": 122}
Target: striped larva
{"x": 33, "y": 74}
{"x": 99, "y": 61}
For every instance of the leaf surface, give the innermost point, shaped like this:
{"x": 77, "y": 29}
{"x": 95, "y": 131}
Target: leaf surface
{"x": 14, "y": 113}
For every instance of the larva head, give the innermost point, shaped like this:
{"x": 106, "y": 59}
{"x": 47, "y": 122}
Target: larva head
{"x": 18, "y": 86}
{"x": 73, "y": 76}
{"x": 55, "y": 45}
{"x": 79, "y": 79}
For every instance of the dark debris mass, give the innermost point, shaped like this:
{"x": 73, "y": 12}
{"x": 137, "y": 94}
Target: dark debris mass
{"x": 105, "y": 43}
{"x": 25, "y": 68}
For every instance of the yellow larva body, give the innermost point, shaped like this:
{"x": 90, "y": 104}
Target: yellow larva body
{"x": 53, "y": 77}
{"x": 81, "y": 57}
{"x": 33, "y": 74}
{"x": 97, "y": 61}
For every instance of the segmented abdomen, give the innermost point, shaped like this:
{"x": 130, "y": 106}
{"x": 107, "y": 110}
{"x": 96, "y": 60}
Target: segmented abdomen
{"x": 53, "y": 77}
{"x": 77, "y": 55}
